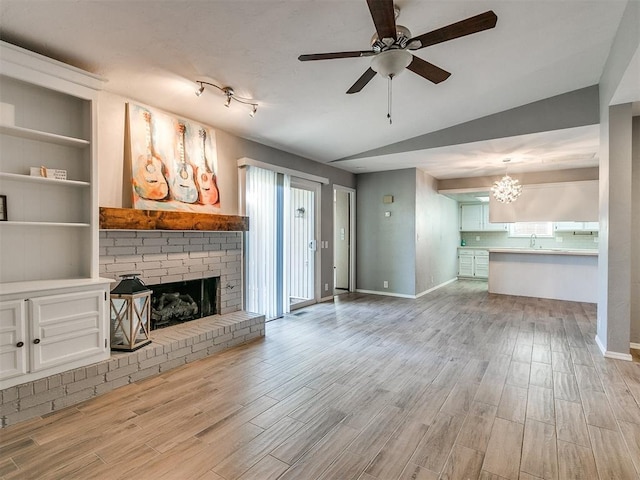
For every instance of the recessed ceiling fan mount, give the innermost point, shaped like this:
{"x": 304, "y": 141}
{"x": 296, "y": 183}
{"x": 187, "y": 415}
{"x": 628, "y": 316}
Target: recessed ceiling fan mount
{"x": 391, "y": 43}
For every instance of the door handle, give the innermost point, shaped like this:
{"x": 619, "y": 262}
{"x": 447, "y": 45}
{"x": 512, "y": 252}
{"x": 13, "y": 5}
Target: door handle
{"x": 313, "y": 244}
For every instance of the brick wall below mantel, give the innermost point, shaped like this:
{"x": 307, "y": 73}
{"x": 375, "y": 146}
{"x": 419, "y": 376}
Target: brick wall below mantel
{"x": 164, "y": 257}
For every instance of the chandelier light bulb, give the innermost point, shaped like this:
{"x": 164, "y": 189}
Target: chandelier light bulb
{"x": 506, "y": 190}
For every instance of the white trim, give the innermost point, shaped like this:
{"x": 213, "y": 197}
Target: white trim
{"x": 614, "y": 355}
{"x": 388, "y": 294}
{"x": 635, "y": 346}
{"x": 352, "y": 235}
{"x": 244, "y": 162}
{"x": 330, "y": 298}
{"x": 455, "y": 279}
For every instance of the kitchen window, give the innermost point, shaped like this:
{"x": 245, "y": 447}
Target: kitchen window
{"x": 526, "y": 229}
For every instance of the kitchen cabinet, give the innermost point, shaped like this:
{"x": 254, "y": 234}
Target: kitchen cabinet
{"x": 474, "y": 217}
{"x": 48, "y": 334}
{"x": 473, "y": 263}
{"x": 576, "y": 226}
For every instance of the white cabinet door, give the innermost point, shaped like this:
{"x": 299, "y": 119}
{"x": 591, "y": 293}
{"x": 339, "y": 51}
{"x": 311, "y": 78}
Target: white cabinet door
{"x": 465, "y": 263}
{"x": 592, "y": 226}
{"x": 471, "y": 218}
{"x": 491, "y": 227}
{"x": 13, "y": 351}
{"x": 65, "y": 328}
{"x": 481, "y": 264}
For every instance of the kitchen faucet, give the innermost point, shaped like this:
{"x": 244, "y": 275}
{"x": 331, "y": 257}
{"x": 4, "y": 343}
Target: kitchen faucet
{"x": 532, "y": 240}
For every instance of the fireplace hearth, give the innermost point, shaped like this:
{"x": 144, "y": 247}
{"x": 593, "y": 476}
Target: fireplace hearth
{"x": 180, "y": 302}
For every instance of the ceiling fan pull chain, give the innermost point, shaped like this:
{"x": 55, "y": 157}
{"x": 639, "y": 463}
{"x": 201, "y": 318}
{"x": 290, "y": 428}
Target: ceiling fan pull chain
{"x": 389, "y": 100}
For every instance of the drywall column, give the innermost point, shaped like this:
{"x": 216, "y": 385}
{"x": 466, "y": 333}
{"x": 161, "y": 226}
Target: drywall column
{"x": 614, "y": 275}
{"x": 635, "y": 235}
{"x": 386, "y": 243}
{"x": 614, "y": 310}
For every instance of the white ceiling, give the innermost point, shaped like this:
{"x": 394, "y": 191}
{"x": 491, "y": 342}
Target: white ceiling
{"x": 153, "y": 51}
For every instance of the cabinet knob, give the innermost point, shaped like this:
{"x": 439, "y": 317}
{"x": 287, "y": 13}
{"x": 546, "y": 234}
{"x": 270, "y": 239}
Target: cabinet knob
{"x": 36, "y": 341}
{"x": 20, "y": 344}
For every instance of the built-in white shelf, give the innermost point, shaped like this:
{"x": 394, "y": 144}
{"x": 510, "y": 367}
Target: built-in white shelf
{"x": 51, "y": 181}
{"x": 43, "y": 136}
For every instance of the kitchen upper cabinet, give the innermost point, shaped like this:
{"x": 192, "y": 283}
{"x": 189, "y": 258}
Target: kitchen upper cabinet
{"x": 576, "y": 226}
{"x": 474, "y": 217}
{"x": 471, "y": 217}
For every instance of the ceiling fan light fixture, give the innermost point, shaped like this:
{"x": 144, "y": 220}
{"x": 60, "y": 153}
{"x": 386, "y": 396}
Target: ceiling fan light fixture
{"x": 391, "y": 63}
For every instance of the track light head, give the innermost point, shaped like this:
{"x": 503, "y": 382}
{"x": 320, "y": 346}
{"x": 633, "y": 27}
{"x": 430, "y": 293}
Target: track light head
{"x": 230, "y": 94}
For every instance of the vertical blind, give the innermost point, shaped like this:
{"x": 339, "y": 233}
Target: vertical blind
{"x": 262, "y": 242}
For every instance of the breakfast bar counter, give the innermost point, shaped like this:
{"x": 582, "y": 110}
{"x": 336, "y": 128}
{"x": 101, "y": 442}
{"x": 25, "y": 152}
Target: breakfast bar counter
{"x": 545, "y": 273}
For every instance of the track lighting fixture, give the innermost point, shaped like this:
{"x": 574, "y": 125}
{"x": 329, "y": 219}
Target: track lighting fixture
{"x": 230, "y": 95}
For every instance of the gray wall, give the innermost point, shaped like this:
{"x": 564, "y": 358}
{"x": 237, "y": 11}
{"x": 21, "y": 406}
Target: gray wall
{"x": 635, "y": 234}
{"x": 386, "y": 248}
{"x": 437, "y": 235}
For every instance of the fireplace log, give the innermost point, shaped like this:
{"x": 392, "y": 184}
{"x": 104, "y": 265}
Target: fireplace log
{"x": 133, "y": 219}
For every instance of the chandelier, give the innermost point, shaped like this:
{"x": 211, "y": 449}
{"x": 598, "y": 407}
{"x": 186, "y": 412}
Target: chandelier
{"x": 507, "y": 189}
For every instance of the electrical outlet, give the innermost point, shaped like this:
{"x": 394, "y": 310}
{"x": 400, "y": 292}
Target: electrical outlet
{"x": 387, "y": 214}
{"x": 385, "y": 284}
{"x": 326, "y": 287}
{"x": 477, "y": 238}
{"x": 596, "y": 239}
{"x": 559, "y": 239}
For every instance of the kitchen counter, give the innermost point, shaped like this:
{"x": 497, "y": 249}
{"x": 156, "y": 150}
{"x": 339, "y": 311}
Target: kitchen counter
{"x": 546, "y": 251}
{"x": 544, "y": 273}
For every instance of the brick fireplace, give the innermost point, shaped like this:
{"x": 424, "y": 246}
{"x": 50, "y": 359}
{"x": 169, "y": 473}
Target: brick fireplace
{"x": 175, "y": 256}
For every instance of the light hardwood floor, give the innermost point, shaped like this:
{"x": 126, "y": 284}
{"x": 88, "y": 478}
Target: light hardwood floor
{"x": 458, "y": 384}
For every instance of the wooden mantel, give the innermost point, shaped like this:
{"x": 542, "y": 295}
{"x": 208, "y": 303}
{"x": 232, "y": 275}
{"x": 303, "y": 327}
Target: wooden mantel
{"x": 133, "y": 219}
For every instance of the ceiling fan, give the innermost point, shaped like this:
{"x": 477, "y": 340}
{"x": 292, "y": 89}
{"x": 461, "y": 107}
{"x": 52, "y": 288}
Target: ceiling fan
{"x": 391, "y": 44}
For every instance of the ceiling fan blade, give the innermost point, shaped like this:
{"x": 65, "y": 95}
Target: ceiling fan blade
{"x": 384, "y": 18}
{"x": 330, "y": 56}
{"x": 362, "y": 81}
{"x": 428, "y": 70}
{"x": 481, "y": 22}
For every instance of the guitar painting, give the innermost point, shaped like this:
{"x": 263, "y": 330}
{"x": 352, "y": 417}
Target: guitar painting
{"x": 148, "y": 178}
{"x": 183, "y": 186}
{"x": 208, "y": 193}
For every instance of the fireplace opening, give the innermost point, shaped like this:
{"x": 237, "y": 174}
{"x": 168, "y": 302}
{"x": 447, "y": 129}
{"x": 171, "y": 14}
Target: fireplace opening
{"x": 180, "y": 302}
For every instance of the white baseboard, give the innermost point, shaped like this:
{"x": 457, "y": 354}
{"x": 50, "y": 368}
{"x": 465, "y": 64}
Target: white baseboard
{"x": 614, "y": 355}
{"x": 326, "y": 299}
{"x": 402, "y": 295}
{"x": 387, "y": 294}
{"x": 455, "y": 279}
{"x": 635, "y": 346}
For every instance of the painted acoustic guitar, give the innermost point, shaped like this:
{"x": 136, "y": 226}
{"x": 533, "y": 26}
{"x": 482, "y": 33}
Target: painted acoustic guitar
{"x": 183, "y": 186}
{"x": 148, "y": 180}
{"x": 208, "y": 193}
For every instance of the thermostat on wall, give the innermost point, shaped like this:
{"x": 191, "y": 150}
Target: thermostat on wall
{"x": 387, "y": 199}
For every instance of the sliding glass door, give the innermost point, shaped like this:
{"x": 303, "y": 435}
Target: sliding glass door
{"x": 302, "y": 244}
{"x": 280, "y": 246}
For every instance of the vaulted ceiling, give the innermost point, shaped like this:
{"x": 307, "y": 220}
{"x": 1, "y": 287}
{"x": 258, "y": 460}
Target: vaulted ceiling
{"x": 154, "y": 51}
